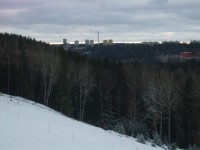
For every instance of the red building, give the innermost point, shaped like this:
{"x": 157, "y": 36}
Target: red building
{"x": 185, "y": 54}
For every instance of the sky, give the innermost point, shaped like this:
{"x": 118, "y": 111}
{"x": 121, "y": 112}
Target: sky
{"x": 120, "y": 20}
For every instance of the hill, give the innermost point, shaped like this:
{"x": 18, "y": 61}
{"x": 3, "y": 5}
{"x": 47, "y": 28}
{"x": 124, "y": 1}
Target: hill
{"x": 28, "y": 125}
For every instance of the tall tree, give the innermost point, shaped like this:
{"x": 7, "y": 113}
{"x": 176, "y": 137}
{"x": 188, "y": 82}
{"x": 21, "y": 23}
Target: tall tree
{"x": 191, "y": 107}
{"x": 49, "y": 68}
{"x": 34, "y": 66}
{"x": 172, "y": 99}
{"x": 133, "y": 83}
{"x": 85, "y": 83}
{"x": 10, "y": 53}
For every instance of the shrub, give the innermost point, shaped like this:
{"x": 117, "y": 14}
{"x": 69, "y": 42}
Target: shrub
{"x": 156, "y": 139}
{"x": 140, "y": 138}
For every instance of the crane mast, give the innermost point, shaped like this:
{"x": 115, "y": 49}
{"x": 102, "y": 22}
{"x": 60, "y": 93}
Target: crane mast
{"x": 98, "y": 36}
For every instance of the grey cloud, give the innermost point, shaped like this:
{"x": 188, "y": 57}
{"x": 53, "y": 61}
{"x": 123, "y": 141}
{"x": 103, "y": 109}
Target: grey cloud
{"x": 159, "y": 2}
{"x": 144, "y": 19}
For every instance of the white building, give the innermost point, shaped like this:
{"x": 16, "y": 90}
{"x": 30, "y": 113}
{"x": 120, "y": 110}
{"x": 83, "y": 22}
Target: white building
{"x": 91, "y": 42}
{"x": 76, "y": 43}
{"x": 110, "y": 42}
{"x": 87, "y": 42}
{"x": 105, "y": 42}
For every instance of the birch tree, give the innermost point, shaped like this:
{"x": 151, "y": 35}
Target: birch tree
{"x": 49, "y": 68}
{"x": 154, "y": 102}
{"x": 71, "y": 87}
{"x": 162, "y": 97}
{"x": 172, "y": 99}
{"x": 85, "y": 82}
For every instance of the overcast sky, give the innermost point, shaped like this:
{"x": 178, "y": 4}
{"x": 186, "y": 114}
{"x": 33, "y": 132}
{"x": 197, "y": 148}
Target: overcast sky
{"x": 120, "y": 20}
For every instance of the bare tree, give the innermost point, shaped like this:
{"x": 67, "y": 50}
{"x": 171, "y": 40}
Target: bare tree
{"x": 71, "y": 84}
{"x": 49, "y": 68}
{"x": 85, "y": 83}
{"x": 154, "y": 103}
{"x": 161, "y": 97}
{"x": 171, "y": 98}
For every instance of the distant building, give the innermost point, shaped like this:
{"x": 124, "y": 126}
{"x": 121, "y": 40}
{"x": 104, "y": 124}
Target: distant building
{"x": 76, "y": 43}
{"x": 150, "y": 43}
{"x": 171, "y": 42}
{"x": 105, "y": 42}
{"x": 110, "y": 42}
{"x": 66, "y": 45}
{"x": 185, "y": 54}
{"x": 87, "y": 42}
{"x": 64, "y": 41}
{"x": 91, "y": 42}
{"x": 195, "y": 42}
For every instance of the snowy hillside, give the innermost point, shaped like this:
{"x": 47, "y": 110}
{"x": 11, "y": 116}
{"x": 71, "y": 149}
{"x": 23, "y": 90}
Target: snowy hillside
{"x": 25, "y": 125}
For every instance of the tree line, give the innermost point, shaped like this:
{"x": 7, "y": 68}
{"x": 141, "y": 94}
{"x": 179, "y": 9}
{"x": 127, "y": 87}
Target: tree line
{"x": 157, "y": 101}
{"x": 141, "y": 52}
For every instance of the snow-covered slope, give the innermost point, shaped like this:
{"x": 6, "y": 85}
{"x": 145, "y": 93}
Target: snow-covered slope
{"x": 25, "y": 125}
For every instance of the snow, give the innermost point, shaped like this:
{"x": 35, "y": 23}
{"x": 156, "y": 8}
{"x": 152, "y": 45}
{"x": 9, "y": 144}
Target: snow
{"x": 26, "y": 125}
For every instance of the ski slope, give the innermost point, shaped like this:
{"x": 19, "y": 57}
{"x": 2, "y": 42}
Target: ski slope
{"x": 26, "y": 125}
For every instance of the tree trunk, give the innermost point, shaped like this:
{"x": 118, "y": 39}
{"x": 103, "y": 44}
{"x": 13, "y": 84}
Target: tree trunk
{"x": 8, "y": 79}
{"x": 169, "y": 126}
{"x": 161, "y": 125}
{"x": 101, "y": 104}
{"x": 134, "y": 108}
{"x": 177, "y": 133}
{"x": 155, "y": 125}
{"x": 189, "y": 130}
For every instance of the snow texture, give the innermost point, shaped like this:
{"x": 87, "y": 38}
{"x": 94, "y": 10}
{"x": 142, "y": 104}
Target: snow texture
{"x": 26, "y": 125}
